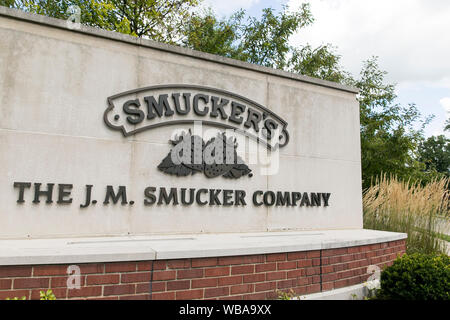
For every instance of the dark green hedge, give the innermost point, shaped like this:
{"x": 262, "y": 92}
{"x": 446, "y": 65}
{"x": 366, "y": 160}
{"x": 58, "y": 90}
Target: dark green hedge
{"x": 417, "y": 277}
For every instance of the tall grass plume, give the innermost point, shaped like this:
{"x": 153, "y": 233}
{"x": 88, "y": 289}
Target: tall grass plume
{"x": 409, "y": 207}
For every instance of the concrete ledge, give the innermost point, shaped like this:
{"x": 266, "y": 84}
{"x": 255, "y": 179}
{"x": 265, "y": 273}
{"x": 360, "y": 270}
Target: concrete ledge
{"x": 356, "y": 292}
{"x": 137, "y": 248}
{"x": 63, "y": 24}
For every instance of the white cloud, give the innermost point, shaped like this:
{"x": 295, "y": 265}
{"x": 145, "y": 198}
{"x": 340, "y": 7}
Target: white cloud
{"x": 411, "y": 37}
{"x": 226, "y": 7}
{"x": 445, "y": 103}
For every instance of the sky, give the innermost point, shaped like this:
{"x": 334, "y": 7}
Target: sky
{"x": 410, "y": 37}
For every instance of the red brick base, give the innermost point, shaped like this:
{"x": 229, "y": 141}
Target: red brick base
{"x": 238, "y": 277}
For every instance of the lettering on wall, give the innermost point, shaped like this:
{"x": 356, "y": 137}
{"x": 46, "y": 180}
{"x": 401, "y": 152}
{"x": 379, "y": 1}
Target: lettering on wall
{"x": 143, "y": 109}
{"x": 61, "y": 194}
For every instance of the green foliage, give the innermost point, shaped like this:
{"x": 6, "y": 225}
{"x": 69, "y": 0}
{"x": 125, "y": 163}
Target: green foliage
{"x": 435, "y": 154}
{"x": 205, "y": 32}
{"x": 389, "y": 139}
{"x": 286, "y": 295}
{"x": 159, "y": 20}
{"x": 47, "y": 295}
{"x": 16, "y": 298}
{"x": 320, "y": 63}
{"x": 417, "y": 277}
{"x": 263, "y": 41}
{"x": 44, "y": 295}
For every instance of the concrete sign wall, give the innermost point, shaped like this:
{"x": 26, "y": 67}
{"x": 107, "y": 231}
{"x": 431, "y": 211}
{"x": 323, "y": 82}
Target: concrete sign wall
{"x": 75, "y": 163}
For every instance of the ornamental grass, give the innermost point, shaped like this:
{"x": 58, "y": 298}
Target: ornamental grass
{"x": 421, "y": 211}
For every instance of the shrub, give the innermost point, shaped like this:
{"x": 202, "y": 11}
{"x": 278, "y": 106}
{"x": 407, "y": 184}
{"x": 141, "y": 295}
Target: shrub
{"x": 417, "y": 277}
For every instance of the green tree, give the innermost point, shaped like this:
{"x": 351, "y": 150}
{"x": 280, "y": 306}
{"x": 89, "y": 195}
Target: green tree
{"x": 263, "y": 41}
{"x": 266, "y": 41}
{"x": 435, "y": 154}
{"x": 205, "y": 32}
{"x": 159, "y": 20}
{"x": 389, "y": 138}
{"x": 321, "y": 62}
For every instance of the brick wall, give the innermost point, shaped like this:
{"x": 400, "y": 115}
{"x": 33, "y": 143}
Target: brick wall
{"x": 238, "y": 277}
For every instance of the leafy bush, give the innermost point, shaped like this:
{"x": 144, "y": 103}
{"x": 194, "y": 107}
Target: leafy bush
{"x": 417, "y": 277}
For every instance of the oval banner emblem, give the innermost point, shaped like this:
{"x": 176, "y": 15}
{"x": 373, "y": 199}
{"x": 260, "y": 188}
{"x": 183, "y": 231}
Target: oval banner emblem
{"x": 147, "y": 108}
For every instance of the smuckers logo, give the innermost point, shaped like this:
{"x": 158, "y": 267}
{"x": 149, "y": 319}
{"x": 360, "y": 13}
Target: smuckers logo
{"x": 138, "y": 110}
{"x": 149, "y": 108}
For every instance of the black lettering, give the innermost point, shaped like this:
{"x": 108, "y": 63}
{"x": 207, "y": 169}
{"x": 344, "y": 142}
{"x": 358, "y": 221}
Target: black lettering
{"x": 191, "y": 196}
{"x": 213, "y": 199}
{"x": 272, "y": 198}
{"x": 239, "y": 196}
{"x": 88, "y": 196}
{"x": 21, "y": 186}
{"x": 236, "y": 110}
{"x": 255, "y": 200}
{"x": 253, "y": 119}
{"x": 121, "y": 194}
{"x": 62, "y": 193}
{"x": 305, "y": 200}
{"x": 218, "y": 107}
{"x": 136, "y": 115}
{"x": 198, "y": 197}
{"x": 326, "y": 197}
{"x": 167, "y": 198}
{"x": 315, "y": 199}
{"x": 283, "y": 198}
{"x": 203, "y": 97}
{"x": 187, "y": 103}
{"x": 159, "y": 107}
{"x": 149, "y": 195}
{"x": 269, "y": 126}
{"x": 296, "y": 196}
{"x": 227, "y": 196}
{"x": 38, "y": 192}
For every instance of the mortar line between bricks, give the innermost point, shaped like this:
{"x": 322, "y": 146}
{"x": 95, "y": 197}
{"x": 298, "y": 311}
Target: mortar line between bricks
{"x": 321, "y": 269}
{"x": 150, "y": 288}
